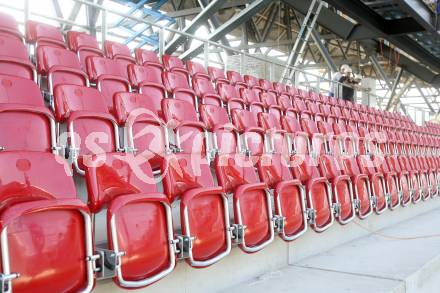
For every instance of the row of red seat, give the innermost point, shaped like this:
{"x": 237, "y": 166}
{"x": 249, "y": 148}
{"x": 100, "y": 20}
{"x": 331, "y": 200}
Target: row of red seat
{"x": 211, "y": 137}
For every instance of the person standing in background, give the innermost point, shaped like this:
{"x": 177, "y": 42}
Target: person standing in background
{"x": 349, "y": 82}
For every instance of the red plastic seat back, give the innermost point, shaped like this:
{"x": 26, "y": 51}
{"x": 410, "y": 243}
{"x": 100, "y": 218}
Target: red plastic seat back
{"x": 174, "y": 80}
{"x": 16, "y": 90}
{"x": 63, "y": 65}
{"x": 216, "y": 120}
{"x": 9, "y": 26}
{"x": 100, "y": 66}
{"x": 269, "y": 99}
{"x": 147, "y": 73}
{"x": 234, "y": 170}
{"x": 110, "y": 75}
{"x": 213, "y": 116}
{"x": 202, "y": 86}
{"x": 247, "y": 123}
{"x": 250, "y": 96}
{"x": 44, "y": 34}
{"x": 143, "y": 114}
{"x": 71, "y": 98}
{"x": 119, "y": 52}
{"x": 251, "y": 81}
{"x": 116, "y": 174}
{"x": 34, "y": 176}
{"x": 24, "y": 120}
{"x": 113, "y": 50}
{"x": 196, "y": 68}
{"x": 12, "y": 47}
{"x": 174, "y": 83}
{"x": 269, "y": 121}
{"x": 139, "y": 106}
{"x": 84, "y": 45}
{"x": 217, "y": 74}
{"x": 14, "y": 58}
{"x": 147, "y": 57}
{"x": 266, "y": 85}
{"x": 235, "y": 77}
{"x": 95, "y": 132}
{"x": 184, "y": 172}
{"x": 173, "y": 62}
{"x": 228, "y": 92}
{"x": 191, "y": 136}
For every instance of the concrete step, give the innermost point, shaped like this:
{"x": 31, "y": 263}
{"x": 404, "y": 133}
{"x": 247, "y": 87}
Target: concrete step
{"x": 404, "y": 257}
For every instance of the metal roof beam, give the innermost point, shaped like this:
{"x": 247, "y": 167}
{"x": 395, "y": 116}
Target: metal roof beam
{"x": 270, "y": 21}
{"x": 425, "y": 99}
{"x": 234, "y": 22}
{"x": 214, "y": 23}
{"x": 324, "y": 52}
{"x": 57, "y": 8}
{"x": 197, "y": 10}
{"x": 420, "y": 12}
{"x": 362, "y": 14}
{"x": 73, "y": 14}
{"x": 202, "y": 17}
{"x": 327, "y": 18}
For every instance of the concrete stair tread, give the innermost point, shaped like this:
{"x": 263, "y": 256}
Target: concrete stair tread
{"x": 401, "y": 258}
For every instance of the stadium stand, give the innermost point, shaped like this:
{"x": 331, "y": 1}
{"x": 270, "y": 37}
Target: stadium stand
{"x": 288, "y": 159}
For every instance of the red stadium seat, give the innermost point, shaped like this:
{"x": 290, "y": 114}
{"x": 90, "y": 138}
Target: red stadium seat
{"x": 247, "y": 125}
{"x": 197, "y": 70}
{"x": 39, "y": 34}
{"x": 252, "y": 82}
{"x": 205, "y": 91}
{"x": 25, "y": 123}
{"x": 378, "y": 185}
{"x": 267, "y": 86}
{"x": 189, "y": 178}
{"x": 14, "y": 58}
{"x": 254, "y": 227}
{"x": 289, "y": 194}
{"x": 60, "y": 66}
{"x": 43, "y": 205}
{"x": 9, "y": 27}
{"x": 120, "y": 52}
{"x": 175, "y": 64}
{"x": 178, "y": 88}
{"x": 361, "y": 186}
{"x": 147, "y": 57}
{"x": 225, "y": 135}
{"x": 252, "y": 100}
{"x": 190, "y": 134}
{"x": 236, "y": 79}
{"x": 91, "y": 129}
{"x": 110, "y": 77}
{"x": 230, "y": 96}
{"x": 147, "y": 79}
{"x": 218, "y": 75}
{"x": 142, "y": 118}
{"x": 84, "y": 45}
{"x": 342, "y": 187}
{"x": 139, "y": 220}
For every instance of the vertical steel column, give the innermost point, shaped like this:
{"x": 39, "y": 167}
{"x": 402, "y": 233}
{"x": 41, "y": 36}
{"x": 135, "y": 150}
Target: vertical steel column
{"x": 27, "y": 11}
{"x": 206, "y": 53}
{"x": 161, "y": 42}
{"x": 103, "y": 26}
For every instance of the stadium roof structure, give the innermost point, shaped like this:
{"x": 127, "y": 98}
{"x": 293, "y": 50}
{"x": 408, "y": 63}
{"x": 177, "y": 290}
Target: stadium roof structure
{"x": 395, "y": 42}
